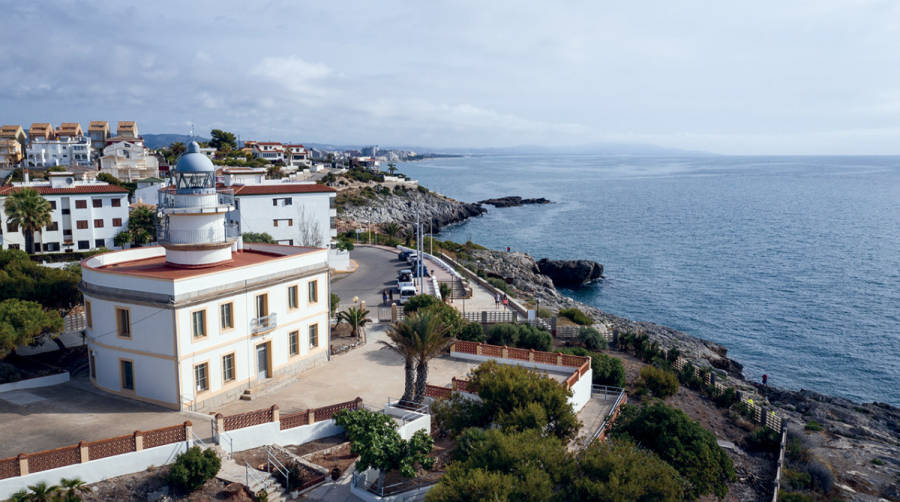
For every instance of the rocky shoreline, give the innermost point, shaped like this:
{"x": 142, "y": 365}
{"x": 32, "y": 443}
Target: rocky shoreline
{"x": 513, "y": 201}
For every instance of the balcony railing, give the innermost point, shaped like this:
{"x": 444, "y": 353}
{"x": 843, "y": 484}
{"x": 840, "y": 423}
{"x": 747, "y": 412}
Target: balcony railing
{"x": 223, "y": 198}
{"x": 264, "y": 323}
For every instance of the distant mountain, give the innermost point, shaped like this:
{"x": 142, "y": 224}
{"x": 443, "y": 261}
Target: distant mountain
{"x": 154, "y": 141}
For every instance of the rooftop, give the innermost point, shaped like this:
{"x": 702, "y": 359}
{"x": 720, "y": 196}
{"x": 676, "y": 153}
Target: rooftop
{"x": 156, "y": 267}
{"x": 46, "y": 189}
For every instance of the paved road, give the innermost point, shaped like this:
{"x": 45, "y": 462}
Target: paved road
{"x": 377, "y": 270}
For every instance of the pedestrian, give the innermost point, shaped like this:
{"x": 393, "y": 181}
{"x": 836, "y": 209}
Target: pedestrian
{"x": 505, "y": 302}
{"x": 507, "y": 249}
{"x": 765, "y": 379}
{"x": 496, "y": 300}
{"x": 384, "y": 296}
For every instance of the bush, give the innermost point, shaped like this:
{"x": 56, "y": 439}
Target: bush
{"x": 661, "y": 383}
{"x": 794, "y": 497}
{"x": 763, "y": 439}
{"x": 814, "y": 426}
{"x": 725, "y": 398}
{"x": 472, "y": 332}
{"x": 821, "y": 477}
{"x": 419, "y": 302}
{"x": 500, "y": 284}
{"x": 591, "y": 338}
{"x": 577, "y": 316}
{"x": 795, "y": 450}
{"x": 544, "y": 313}
{"x": 606, "y": 370}
{"x": 257, "y": 237}
{"x": 797, "y": 480}
{"x": 503, "y": 334}
{"x": 193, "y": 468}
{"x": 683, "y": 443}
{"x": 531, "y": 337}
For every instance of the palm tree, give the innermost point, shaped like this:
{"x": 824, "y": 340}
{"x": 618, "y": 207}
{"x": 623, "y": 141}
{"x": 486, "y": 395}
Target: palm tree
{"x": 446, "y": 291}
{"x": 392, "y": 168}
{"x": 28, "y": 210}
{"x": 72, "y": 489}
{"x": 391, "y": 229}
{"x": 432, "y": 338}
{"x": 20, "y": 496}
{"x": 42, "y": 492}
{"x": 356, "y": 317}
{"x": 403, "y": 339}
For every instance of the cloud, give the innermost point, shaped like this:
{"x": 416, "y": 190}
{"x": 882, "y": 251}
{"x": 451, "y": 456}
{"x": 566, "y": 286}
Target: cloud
{"x": 294, "y": 74}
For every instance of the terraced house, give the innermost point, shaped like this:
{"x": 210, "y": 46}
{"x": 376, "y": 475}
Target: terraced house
{"x": 203, "y": 318}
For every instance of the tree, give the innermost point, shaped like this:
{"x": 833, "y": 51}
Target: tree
{"x": 42, "y": 492}
{"x": 471, "y": 332}
{"x": 446, "y": 291}
{"x": 591, "y": 338}
{"x": 26, "y": 209}
{"x": 72, "y": 489}
{"x": 310, "y": 233}
{"x": 519, "y": 335}
{"x": 682, "y": 443}
{"x": 374, "y": 437}
{"x": 141, "y": 226}
{"x": 392, "y": 168}
{"x": 194, "y": 467}
{"x": 661, "y": 383}
{"x": 419, "y": 302}
{"x": 391, "y": 229}
{"x": 21, "y": 278}
{"x": 402, "y": 340}
{"x": 334, "y": 301}
{"x": 222, "y": 140}
{"x": 619, "y": 471}
{"x": 22, "y": 322}
{"x": 431, "y": 339}
{"x": 507, "y": 466}
{"x": 356, "y": 317}
{"x": 257, "y": 237}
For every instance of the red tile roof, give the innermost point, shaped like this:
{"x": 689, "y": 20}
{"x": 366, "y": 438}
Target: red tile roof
{"x": 157, "y": 267}
{"x": 281, "y": 188}
{"x": 82, "y": 189}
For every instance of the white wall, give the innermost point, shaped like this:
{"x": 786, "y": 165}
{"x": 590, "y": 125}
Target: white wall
{"x": 33, "y": 383}
{"x": 257, "y": 214}
{"x": 270, "y": 433}
{"x": 97, "y": 470}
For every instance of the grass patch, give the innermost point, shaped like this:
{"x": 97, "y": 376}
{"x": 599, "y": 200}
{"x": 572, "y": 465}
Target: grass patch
{"x": 814, "y": 426}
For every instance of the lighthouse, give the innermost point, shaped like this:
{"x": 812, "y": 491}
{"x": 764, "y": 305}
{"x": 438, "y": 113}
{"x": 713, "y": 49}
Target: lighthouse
{"x": 193, "y": 225}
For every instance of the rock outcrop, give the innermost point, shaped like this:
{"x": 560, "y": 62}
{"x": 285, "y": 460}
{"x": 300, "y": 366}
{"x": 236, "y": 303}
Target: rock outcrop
{"x": 512, "y": 201}
{"x": 570, "y": 273}
{"x": 435, "y": 210}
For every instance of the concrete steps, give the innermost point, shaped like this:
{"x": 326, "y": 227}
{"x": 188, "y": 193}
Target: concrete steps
{"x": 232, "y": 472}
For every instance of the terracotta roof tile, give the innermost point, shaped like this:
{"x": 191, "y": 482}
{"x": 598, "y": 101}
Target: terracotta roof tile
{"x": 81, "y": 189}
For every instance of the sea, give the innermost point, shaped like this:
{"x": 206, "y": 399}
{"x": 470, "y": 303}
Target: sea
{"x": 792, "y": 263}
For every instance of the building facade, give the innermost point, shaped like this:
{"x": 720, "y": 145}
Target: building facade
{"x": 10, "y": 153}
{"x": 268, "y": 151}
{"x": 129, "y": 161}
{"x": 296, "y": 157}
{"x": 59, "y": 151}
{"x": 203, "y": 318}
{"x": 98, "y": 130}
{"x": 15, "y": 132}
{"x": 86, "y": 214}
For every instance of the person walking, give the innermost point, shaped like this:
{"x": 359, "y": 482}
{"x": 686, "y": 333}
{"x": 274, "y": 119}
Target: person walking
{"x": 505, "y": 302}
{"x": 496, "y": 300}
{"x": 384, "y": 296}
{"x": 765, "y": 379}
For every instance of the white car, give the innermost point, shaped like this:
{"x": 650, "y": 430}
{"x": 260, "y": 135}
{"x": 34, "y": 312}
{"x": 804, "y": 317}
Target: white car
{"x": 406, "y": 292}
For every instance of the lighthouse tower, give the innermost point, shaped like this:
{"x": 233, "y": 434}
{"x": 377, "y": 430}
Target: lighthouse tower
{"x": 193, "y": 226}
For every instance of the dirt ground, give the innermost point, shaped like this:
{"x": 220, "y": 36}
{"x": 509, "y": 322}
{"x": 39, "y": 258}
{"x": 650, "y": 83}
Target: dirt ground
{"x": 755, "y": 471}
{"x": 340, "y": 458}
{"x": 152, "y": 485}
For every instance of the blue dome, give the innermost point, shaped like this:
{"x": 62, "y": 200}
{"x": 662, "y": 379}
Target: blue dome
{"x": 192, "y": 161}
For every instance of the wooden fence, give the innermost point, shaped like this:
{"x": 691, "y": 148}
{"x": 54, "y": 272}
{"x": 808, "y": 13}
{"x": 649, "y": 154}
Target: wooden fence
{"x": 29, "y": 463}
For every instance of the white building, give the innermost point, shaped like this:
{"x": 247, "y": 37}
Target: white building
{"x": 129, "y": 161}
{"x": 293, "y": 212}
{"x": 296, "y": 157}
{"x": 59, "y": 151}
{"x": 203, "y": 318}
{"x": 86, "y": 214}
{"x": 268, "y": 151}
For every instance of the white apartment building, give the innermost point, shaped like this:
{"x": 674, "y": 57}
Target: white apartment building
{"x": 59, "y": 151}
{"x": 293, "y": 212}
{"x": 203, "y": 318}
{"x": 129, "y": 161}
{"x": 268, "y": 151}
{"x": 86, "y": 214}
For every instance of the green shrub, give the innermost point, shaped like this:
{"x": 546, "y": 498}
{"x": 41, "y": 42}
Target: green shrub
{"x": 591, "y": 338}
{"x": 577, "y": 316}
{"x": 763, "y": 439}
{"x": 814, "y": 426}
{"x": 795, "y": 450}
{"x": 726, "y": 398}
{"x": 877, "y": 461}
{"x": 544, "y": 313}
{"x": 794, "y": 497}
{"x": 661, "y": 383}
{"x": 419, "y": 302}
{"x": 606, "y": 370}
{"x": 796, "y": 480}
{"x": 422, "y": 189}
{"x": 531, "y": 337}
{"x": 193, "y": 468}
{"x": 503, "y": 334}
{"x": 472, "y": 332}
{"x": 500, "y": 284}
{"x": 820, "y": 475}
{"x": 257, "y": 237}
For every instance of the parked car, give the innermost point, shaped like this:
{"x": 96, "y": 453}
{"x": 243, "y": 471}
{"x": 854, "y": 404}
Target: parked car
{"x": 407, "y": 292}
{"x": 412, "y": 257}
{"x": 403, "y": 255}
{"x": 405, "y": 280}
{"x": 405, "y": 271}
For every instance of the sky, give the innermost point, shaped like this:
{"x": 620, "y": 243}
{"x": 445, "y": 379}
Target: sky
{"x": 762, "y": 77}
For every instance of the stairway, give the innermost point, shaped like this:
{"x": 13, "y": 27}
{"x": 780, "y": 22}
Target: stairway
{"x": 232, "y": 472}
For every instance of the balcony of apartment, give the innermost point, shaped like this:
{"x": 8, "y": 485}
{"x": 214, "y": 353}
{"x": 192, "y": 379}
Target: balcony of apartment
{"x": 263, "y": 324}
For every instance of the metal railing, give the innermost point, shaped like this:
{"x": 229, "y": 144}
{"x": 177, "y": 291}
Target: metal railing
{"x": 251, "y": 476}
{"x": 607, "y": 392}
{"x": 167, "y": 199}
{"x": 264, "y": 323}
{"x": 210, "y": 235}
{"x": 272, "y": 462}
{"x": 414, "y": 410}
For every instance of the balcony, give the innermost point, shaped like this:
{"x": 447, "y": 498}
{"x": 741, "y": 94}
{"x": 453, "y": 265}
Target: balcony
{"x": 226, "y": 233}
{"x": 169, "y": 200}
{"x": 260, "y": 325}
